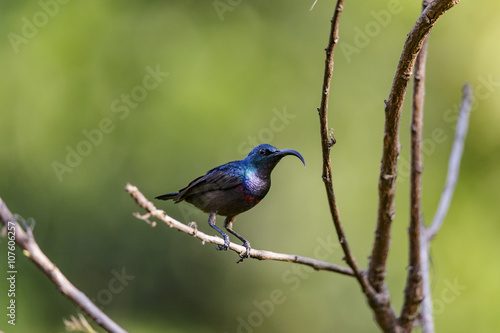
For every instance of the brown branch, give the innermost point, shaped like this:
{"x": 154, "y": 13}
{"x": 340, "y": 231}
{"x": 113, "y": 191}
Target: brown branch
{"x": 391, "y": 146}
{"x": 327, "y": 141}
{"x": 444, "y": 203}
{"x": 413, "y": 291}
{"x": 143, "y": 202}
{"x": 380, "y": 303}
{"x": 26, "y": 241}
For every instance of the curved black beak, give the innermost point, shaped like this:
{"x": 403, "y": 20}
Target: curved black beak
{"x": 285, "y": 152}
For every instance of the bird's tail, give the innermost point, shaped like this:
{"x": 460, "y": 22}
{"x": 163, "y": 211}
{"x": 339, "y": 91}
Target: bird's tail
{"x": 167, "y": 196}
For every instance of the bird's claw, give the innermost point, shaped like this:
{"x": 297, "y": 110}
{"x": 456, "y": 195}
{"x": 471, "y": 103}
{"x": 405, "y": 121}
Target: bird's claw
{"x": 225, "y": 246}
{"x": 222, "y": 247}
{"x": 247, "y": 252}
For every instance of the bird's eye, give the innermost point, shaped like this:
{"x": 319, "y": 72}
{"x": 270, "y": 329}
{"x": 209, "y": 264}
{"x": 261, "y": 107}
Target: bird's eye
{"x": 263, "y": 152}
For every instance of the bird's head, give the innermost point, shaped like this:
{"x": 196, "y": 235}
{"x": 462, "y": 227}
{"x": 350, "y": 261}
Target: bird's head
{"x": 264, "y": 157}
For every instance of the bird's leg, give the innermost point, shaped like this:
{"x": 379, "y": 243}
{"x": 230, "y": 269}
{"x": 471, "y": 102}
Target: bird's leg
{"x": 211, "y": 222}
{"x": 228, "y": 224}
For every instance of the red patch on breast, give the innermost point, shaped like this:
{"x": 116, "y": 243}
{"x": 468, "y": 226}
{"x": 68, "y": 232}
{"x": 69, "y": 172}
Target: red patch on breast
{"x": 248, "y": 198}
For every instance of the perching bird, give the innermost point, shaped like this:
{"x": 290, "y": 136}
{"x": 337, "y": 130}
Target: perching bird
{"x": 232, "y": 188}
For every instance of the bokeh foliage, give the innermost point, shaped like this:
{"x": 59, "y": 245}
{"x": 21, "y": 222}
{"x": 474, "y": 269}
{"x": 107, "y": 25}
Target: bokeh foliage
{"x": 250, "y": 74}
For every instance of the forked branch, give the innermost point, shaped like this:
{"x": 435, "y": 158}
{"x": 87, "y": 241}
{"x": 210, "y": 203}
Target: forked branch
{"x": 391, "y": 146}
{"x": 379, "y": 302}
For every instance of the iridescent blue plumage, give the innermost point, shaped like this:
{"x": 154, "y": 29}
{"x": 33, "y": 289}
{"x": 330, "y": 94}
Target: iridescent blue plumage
{"x": 233, "y": 188}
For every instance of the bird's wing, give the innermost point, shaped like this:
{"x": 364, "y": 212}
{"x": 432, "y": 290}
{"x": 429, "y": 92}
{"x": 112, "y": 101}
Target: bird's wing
{"x": 221, "y": 178}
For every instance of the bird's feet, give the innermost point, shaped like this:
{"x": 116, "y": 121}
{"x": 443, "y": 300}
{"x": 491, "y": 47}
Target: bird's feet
{"x": 226, "y": 244}
{"x": 247, "y": 253}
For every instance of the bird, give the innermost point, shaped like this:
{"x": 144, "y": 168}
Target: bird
{"x": 233, "y": 188}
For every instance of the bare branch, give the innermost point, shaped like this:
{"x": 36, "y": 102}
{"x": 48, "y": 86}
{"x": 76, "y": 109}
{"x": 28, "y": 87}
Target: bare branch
{"x": 27, "y": 243}
{"x": 413, "y": 291}
{"x": 453, "y": 163}
{"x": 391, "y": 146}
{"x": 380, "y": 303}
{"x": 257, "y": 254}
{"x": 426, "y": 318}
{"x": 328, "y": 140}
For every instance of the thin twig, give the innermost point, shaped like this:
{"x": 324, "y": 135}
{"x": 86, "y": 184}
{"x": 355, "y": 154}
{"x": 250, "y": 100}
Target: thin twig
{"x": 327, "y": 141}
{"x": 413, "y": 290}
{"x": 312, "y": 7}
{"x": 27, "y": 243}
{"x": 426, "y": 317}
{"x": 379, "y": 302}
{"x": 391, "y": 146}
{"x": 453, "y": 163}
{"x": 143, "y": 202}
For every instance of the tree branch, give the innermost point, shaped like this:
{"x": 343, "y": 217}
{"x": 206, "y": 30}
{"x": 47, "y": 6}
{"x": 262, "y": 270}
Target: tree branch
{"x": 27, "y": 243}
{"x": 257, "y": 254}
{"x": 328, "y": 140}
{"x": 444, "y": 203}
{"x": 426, "y": 316}
{"x": 380, "y": 303}
{"x": 391, "y": 146}
{"x": 453, "y": 163}
{"x": 413, "y": 291}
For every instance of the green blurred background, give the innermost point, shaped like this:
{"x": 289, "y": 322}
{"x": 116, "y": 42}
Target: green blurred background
{"x": 244, "y": 73}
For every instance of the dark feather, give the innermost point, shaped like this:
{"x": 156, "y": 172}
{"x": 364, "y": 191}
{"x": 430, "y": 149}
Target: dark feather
{"x": 225, "y": 177}
{"x": 167, "y": 196}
